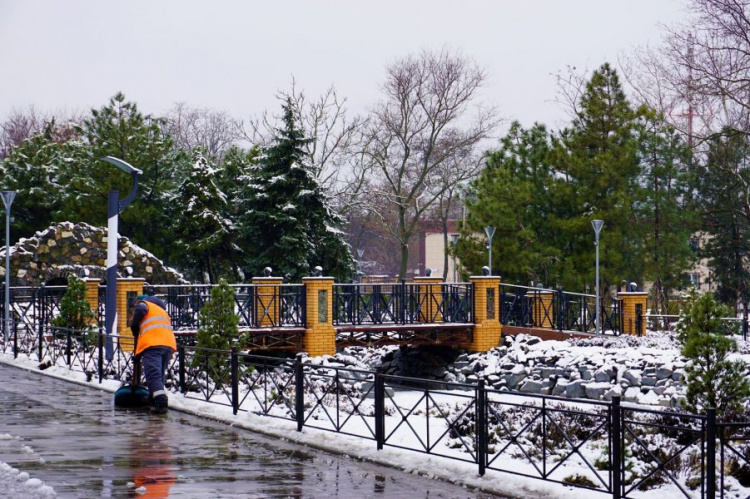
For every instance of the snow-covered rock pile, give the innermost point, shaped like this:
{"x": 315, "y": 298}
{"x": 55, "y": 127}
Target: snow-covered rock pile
{"x": 649, "y": 374}
{"x": 82, "y": 249}
{"x": 646, "y": 370}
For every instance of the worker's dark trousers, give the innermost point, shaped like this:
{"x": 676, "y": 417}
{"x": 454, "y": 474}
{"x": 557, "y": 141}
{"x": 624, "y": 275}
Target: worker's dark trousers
{"x": 155, "y": 361}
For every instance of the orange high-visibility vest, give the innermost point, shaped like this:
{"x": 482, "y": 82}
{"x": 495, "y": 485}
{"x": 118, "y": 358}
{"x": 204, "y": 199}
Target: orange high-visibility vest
{"x": 155, "y": 330}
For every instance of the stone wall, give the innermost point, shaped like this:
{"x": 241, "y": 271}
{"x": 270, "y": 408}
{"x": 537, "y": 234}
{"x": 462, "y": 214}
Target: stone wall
{"x": 80, "y": 249}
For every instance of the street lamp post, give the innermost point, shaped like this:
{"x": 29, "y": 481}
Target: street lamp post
{"x": 8, "y": 197}
{"x": 454, "y": 237}
{"x": 114, "y": 207}
{"x": 597, "y": 225}
{"x": 490, "y": 231}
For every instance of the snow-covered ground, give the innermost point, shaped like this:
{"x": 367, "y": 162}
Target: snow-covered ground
{"x": 19, "y": 485}
{"x": 429, "y": 422}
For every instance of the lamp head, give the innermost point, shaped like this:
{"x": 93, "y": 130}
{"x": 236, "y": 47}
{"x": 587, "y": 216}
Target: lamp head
{"x": 122, "y": 165}
{"x": 8, "y": 197}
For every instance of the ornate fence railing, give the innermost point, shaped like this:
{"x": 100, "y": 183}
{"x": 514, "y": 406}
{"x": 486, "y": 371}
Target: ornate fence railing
{"x": 401, "y": 303}
{"x": 621, "y": 451}
{"x": 557, "y": 309}
{"x": 256, "y": 305}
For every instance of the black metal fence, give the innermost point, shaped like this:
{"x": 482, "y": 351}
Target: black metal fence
{"x": 620, "y": 451}
{"x": 401, "y": 303}
{"x": 557, "y": 309}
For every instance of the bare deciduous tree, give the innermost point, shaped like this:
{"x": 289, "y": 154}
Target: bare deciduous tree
{"x": 23, "y": 124}
{"x": 212, "y": 131}
{"x": 700, "y": 79}
{"x": 421, "y": 127}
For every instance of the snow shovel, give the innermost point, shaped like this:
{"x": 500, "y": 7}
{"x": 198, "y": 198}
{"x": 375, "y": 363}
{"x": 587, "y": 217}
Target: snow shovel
{"x": 133, "y": 395}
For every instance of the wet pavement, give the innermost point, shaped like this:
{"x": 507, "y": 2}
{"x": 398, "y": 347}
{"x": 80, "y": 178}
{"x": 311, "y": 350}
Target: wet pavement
{"x": 74, "y": 440}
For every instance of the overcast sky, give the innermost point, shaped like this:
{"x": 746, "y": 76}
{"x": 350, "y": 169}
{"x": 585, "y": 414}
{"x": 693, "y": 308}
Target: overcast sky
{"x": 236, "y": 55}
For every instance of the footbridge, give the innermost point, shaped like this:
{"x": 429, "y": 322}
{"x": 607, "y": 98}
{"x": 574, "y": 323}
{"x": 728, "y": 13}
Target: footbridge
{"x": 318, "y": 315}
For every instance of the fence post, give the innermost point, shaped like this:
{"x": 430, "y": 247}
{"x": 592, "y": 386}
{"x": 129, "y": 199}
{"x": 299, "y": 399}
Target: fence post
{"x": 616, "y": 450}
{"x": 559, "y": 308}
{"x": 235, "y": 381}
{"x": 711, "y": 453}
{"x": 69, "y": 343}
{"x": 40, "y": 318}
{"x": 181, "y": 362}
{"x": 299, "y": 392}
{"x": 100, "y": 350}
{"x": 481, "y": 406}
{"x": 15, "y": 340}
{"x": 379, "y": 408}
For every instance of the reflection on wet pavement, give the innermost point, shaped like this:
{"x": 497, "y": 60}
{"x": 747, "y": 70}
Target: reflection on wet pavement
{"x": 73, "y": 439}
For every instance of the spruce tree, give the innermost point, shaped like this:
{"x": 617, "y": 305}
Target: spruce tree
{"x": 34, "y": 169}
{"x": 202, "y": 229}
{"x": 218, "y": 330}
{"x": 75, "y": 310}
{"x": 286, "y": 221}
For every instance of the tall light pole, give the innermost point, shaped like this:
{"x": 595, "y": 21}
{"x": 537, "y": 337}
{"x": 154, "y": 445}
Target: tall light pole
{"x": 114, "y": 207}
{"x": 454, "y": 237}
{"x": 490, "y": 231}
{"x": 597, "y": 225}
{"x": 8, "y": 197}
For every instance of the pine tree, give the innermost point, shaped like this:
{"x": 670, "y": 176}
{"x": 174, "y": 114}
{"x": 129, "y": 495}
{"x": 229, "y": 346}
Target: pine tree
{"x": 512, "y": 195}
{"x": 203, "y": 232}
{"x": 218, "y": 330}
{"x": 665, "y": 209}
{"x": 286, "y": 221}
{"x": 119, "y": 129}
{"x": 597, "y": 177}
{"x": 713, "y": 381}
{"x": 722, "y": 192}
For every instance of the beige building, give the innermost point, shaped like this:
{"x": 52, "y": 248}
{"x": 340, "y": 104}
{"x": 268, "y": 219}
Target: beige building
{"x": 431, "y": 249}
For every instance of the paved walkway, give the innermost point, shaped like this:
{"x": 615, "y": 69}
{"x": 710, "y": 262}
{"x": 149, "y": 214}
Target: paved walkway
{"x": 73, "y": 439}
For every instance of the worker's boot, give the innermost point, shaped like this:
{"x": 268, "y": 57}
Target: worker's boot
{"x": 161, "y": 404}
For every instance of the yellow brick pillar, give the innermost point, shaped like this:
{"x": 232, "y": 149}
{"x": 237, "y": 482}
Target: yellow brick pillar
{"x": 543, "y": 313}
{"x": 320, "y": 335}
{"x": 267, "y": 297}
{"x": 487, "y": 328}
{"x": 128, "y": 288}
{"x": 430, "y": 298}
{"x": 633, "y": 306}
{"x": 92, "y": 293}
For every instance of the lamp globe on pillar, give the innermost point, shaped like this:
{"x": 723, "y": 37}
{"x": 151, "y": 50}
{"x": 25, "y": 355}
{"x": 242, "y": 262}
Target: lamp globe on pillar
{"x": 490, "y": 231}
{"x": 597, "y": 225}
{"x": 8, "y": 197}
{"x": 114, "y": 207}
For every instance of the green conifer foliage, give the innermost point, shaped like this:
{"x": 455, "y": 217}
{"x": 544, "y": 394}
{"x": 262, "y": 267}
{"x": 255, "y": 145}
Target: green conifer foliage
{"x": 286, "y": 221}
{"x": 75, "y": 310}
{"x": 218, "y": 330}
{"x": 713, "y": 380}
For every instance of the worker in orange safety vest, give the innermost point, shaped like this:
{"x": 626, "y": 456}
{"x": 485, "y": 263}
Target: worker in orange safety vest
{"x": 155, "y": 344}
